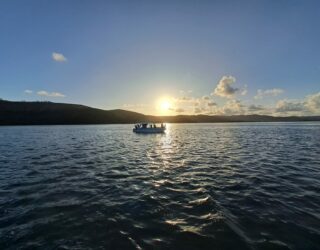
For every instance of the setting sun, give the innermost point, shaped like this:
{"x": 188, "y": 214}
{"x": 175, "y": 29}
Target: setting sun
{"x": 165, "y": 105}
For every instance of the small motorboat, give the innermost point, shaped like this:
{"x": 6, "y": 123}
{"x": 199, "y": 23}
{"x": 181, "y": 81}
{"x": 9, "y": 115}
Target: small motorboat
{"x": 152, "y": 128}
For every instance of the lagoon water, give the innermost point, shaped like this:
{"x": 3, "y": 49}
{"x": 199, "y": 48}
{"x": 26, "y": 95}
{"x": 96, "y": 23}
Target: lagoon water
{"x": 199, "y": 186}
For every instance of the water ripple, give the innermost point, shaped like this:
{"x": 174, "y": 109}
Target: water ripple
{"x": 199, "y": 186}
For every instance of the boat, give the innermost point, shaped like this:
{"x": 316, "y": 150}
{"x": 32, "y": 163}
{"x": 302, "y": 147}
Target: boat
{"x": 146, "y": 128}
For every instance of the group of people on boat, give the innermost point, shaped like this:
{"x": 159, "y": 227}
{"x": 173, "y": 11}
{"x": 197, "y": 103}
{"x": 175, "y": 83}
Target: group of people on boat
{"x": 145, "y": 125}
{"x": 146, "y": 128}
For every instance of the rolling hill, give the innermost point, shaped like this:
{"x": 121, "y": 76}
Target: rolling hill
{"x": 49, "y": 113}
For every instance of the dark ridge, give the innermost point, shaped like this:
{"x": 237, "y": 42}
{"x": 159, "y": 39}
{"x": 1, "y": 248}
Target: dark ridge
{"x": 49, "y": 113}
{"x": 38, "y": 113}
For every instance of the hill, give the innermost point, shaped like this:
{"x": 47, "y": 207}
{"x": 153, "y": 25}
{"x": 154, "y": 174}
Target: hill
{"x": 41, "y": 113}
{"x": 37, "y": 113}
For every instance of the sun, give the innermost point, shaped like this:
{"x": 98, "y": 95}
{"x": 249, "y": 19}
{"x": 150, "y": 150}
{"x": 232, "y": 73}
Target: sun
{"x": 165, "y": 105}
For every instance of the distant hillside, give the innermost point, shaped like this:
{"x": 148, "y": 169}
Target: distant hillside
{"x": 41, "y": 113}
{"x": 235, "y": 118}
{"x": 23, "y": 113}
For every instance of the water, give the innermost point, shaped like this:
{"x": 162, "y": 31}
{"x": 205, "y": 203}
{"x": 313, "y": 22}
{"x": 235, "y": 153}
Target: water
{"x": 199, "y": 186}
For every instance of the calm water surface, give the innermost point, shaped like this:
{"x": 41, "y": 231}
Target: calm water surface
{"x": 199, "y": 186}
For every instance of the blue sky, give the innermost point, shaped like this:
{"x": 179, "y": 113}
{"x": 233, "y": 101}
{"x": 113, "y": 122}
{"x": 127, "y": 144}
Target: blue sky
{"x": 164, "y": 57}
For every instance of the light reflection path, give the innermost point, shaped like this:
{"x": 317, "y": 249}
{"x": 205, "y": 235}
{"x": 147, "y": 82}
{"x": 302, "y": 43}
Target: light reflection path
{"x": 173, "y": 176}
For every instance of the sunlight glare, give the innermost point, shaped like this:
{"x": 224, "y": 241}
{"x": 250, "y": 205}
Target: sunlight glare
{"x": 165, "y": 105}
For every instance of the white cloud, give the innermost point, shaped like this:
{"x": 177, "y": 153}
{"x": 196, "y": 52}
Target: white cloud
{"x": 196, "y": 103}
{"x": 224, "y": 87}
{"x": 179, "y": 110}
{"x": 310, "y": 105}
{"x": 184, "y": 98}
{"x": 244, "y": 91}
{"x": 285, "y": 106}
{"x": 206, "y": 98}
{"x": 313, "y": 102}
{"x": 48, "y": 94}
{"x": 233, "y": 107}
{"x": 268, "y": 92}
{"x": 58, "y": 57}
{"x": 138, "y": 105}
{"x": 211, "y": 104}
{"x": 186, "y": 101}
{"x": 255, "y": 108}
{"x": 28, "y": 91}
{"x": 197, "y": 110}
{"x": 185, "y": 92}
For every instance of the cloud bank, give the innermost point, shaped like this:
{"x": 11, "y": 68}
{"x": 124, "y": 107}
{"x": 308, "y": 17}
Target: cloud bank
{"x": 268, "y": 92}
{"x": 45, "y": 93}
{"x": 285, "y": 106}
{"x": 309, "y": 105}
{"x": 313, "y": 102}
{"x": 233, "y": 102}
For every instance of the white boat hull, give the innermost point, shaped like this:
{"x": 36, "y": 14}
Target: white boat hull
{"x": 149, "y": 130}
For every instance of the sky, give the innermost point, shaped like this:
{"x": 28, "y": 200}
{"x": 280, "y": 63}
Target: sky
{"x": 164, "y": 57}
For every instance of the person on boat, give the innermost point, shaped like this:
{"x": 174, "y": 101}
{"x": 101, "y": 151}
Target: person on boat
{"x": 162, "y": 125}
